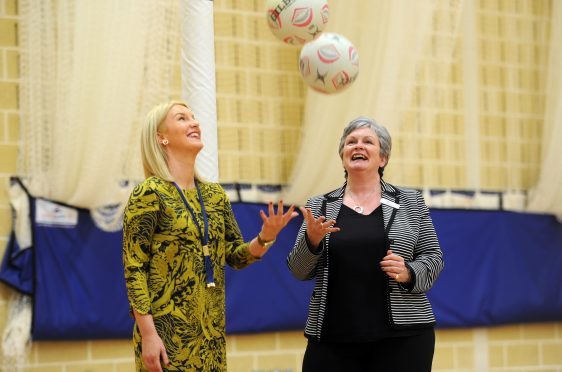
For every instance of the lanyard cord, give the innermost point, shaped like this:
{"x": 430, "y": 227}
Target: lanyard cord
{"x": 203, "y": 235}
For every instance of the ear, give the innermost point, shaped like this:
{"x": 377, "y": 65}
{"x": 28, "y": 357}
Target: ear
{"x": 160, "y": 137}
{"x": 383, "y": 162}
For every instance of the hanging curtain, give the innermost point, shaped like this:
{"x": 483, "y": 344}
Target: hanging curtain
{"x": 90, "y": 72}
{"x": 389, "y": 36}
{"x": 547, "y": 194}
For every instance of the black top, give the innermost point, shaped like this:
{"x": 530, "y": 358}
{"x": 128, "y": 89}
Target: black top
{"x": 357, "y": 309}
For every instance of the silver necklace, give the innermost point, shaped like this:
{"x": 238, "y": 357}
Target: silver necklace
{"x": 357, "y": 207}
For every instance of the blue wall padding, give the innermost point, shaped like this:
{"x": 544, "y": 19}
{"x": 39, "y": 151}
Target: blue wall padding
{"x": 500, "y": 267}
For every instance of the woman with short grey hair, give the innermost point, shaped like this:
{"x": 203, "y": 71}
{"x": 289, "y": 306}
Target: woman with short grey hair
{"x": 385, "y": 141}
{"x": 372, "y": 249}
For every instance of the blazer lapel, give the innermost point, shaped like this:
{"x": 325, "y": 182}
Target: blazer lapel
{"x": 333, "y": 202}
{"x": 390, "y": 208}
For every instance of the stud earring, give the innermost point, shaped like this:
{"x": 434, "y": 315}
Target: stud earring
{"x": 165, "y": 142}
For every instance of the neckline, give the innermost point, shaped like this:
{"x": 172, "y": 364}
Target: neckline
{"x": 189, "y": 191}
{"x": 358, "y": 207}
{"x": 362, "y": 214}
{"x": 185, "y": 191}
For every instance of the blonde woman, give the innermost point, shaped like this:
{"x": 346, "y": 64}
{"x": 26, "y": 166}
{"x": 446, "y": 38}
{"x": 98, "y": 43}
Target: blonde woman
{"x": 179, "y": 232}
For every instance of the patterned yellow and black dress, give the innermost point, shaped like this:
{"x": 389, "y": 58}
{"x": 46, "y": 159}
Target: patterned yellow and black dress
{"x": 165, "y": 270}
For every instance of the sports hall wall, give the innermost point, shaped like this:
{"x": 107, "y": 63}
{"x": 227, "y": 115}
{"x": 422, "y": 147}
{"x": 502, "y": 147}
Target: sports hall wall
{"x": 256, "y": 75}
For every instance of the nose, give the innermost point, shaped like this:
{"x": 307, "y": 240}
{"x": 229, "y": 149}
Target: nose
{"x": 194, "y": 123}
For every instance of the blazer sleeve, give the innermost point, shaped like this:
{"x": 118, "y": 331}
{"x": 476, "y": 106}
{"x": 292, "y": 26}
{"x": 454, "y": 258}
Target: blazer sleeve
{"x": 303, "y": 258}
{"x": 427, "y": 260}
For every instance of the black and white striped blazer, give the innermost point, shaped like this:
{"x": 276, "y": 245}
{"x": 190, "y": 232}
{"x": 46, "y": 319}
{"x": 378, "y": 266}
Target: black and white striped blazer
{"x": 410, "y": 233}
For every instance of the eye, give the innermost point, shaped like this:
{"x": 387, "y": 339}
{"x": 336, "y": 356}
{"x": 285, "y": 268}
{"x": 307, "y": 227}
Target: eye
{"x": 189, "y": 117}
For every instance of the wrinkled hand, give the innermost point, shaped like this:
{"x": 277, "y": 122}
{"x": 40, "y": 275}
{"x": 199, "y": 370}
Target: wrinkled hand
{"x": 153, "y": 351}
{"x": 317, "y": 228}
{"x": 393, "y": 265}
{"x": 275, "y": 221}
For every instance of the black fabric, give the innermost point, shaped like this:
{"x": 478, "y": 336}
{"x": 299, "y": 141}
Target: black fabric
{"x": 396, "y": 354}
{"x": 356, "y": 307}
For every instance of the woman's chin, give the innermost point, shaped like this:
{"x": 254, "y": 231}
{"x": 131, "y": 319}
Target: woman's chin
{"x": 360, "y": 169}
{"x": 196, "y": 145}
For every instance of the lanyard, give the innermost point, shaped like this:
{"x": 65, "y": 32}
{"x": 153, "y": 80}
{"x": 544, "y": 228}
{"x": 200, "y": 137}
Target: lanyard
{"x": 203, "y": 235}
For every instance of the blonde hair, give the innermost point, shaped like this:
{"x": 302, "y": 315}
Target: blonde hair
{"x": 154, "y": 158}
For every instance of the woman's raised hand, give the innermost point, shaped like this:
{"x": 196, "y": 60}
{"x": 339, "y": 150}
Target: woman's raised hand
{"x": 317, "y": 228}
{"x": 275, "y": 221}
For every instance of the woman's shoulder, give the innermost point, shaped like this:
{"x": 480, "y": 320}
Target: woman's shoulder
{"x": 408, "y": 192}
{"x": 145, "y": 196}
{"x": 214, "y": 187}
{"x": 409, "y": 197}
{"x": 150, "y": 186}
{"x": 152, "y": 183}
{"x": 404, "y": 192}
{"x": 333, "y": 194}
{"x": 214, "y": 190}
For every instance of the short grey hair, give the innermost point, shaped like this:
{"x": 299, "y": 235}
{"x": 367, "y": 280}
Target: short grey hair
{"x": 385, "y": 141}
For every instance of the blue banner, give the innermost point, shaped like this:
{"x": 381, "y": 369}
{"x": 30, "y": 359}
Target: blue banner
{"x": 500, "y": 267}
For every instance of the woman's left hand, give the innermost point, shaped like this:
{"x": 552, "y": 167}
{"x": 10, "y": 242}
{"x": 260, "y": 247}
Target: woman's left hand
{"x": 275, "y": 221}
{"x": 393, "y": 265}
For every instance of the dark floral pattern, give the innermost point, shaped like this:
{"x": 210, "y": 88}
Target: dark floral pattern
{"x": 165, "y": 271}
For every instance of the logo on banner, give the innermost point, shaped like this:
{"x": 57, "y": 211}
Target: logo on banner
{"x": 53, "y": 214}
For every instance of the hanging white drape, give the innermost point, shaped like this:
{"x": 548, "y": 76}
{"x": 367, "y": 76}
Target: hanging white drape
{"x": 546, "y": 196}
{"x": 198, "y": 78}
{"x": 389, "y": 36}
{"x": 90, "y": 72}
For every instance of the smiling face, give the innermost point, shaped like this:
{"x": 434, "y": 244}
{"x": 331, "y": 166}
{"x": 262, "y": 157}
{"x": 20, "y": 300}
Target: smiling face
{"x": 181, "y": 130}
{"x": 361, "y": 152}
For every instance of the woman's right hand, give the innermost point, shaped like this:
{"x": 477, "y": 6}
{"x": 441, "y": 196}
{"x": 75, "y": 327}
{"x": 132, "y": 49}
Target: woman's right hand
{"x": 317, "y": 228}
{"x": 153, "y": 351}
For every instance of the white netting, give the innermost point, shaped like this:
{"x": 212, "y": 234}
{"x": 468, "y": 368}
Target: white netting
{"x": 547, "y": 193}
{"x": 461, "y": 90}
{"x": 16, "y": 337}
{"x": 90, "y": 72}
{"x": 389, "y": 58}
{"x": 19, "y": 201}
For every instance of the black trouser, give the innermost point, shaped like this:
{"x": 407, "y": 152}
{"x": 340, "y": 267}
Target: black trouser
{"x": 399, "y": 354}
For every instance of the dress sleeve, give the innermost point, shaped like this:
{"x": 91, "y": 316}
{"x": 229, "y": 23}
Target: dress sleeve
{"x": 237, "y": 251}
{"x": 139, "y": 224}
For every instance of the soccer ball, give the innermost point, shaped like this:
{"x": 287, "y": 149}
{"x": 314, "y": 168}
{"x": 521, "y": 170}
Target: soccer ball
{"x": 297, "y": 21}
{"x": 329, "y": 64}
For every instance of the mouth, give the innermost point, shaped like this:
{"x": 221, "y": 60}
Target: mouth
{"x": 194, "y": 135}
{"x": 355, "y": 157}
